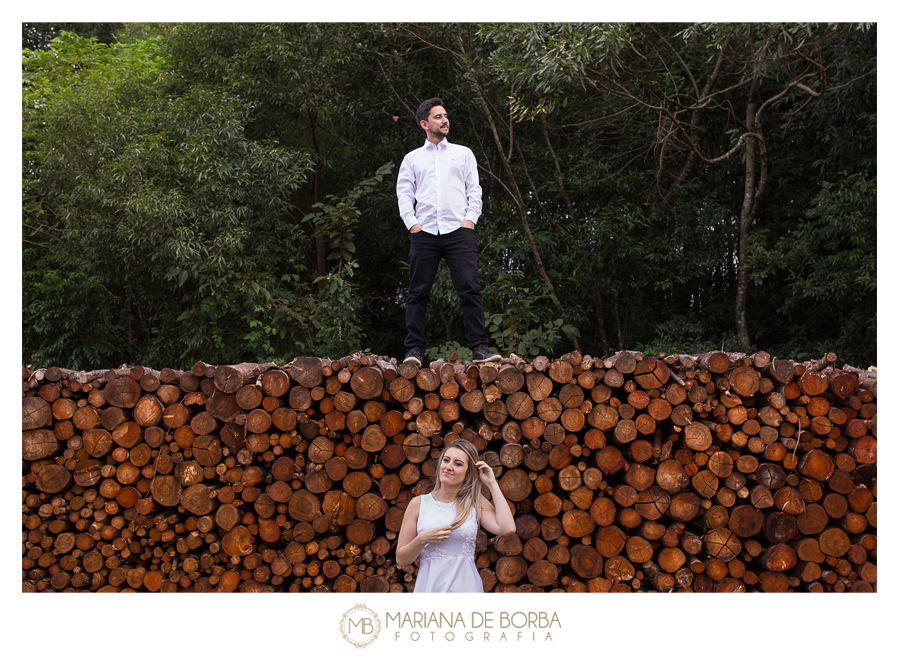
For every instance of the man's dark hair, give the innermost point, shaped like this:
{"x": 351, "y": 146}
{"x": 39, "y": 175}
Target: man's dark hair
{"x": 425, "y": 108}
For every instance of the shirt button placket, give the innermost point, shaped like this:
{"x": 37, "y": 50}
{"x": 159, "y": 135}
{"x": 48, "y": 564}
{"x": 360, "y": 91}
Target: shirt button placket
{"x": 438, "y": 192}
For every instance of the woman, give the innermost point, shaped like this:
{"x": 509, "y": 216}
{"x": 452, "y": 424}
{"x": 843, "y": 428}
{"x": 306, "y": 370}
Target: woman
{"x": 440, "y": 527}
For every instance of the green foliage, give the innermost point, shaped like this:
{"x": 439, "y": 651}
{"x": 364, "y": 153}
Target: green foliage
{"x": 339, "y": 302}
{"x": 522, "y": 328}
{"x": 62, "y": 305}
{"x": 683, "y": 334}
{"x": 443, "y": 351}
{"x": 162, "y": 200}
{"x": 828, "y": 266}
{"x": 338, "y": 218}
{"x": 551, "y": 59}
{"x": 212, "y": 191}
{"x": 38, "y": 36}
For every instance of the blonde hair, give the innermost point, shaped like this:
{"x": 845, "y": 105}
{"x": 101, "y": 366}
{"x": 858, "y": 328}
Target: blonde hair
{"x": 469, "y": 493}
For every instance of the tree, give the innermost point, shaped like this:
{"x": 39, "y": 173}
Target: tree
{"x": 38, "y": 36}
{"x": 223, "y": 191}
{"x": 691, "y": 80}
{"x": 160, "y": 202}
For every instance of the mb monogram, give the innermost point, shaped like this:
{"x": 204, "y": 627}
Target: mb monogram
{"x": 360, "y": 626}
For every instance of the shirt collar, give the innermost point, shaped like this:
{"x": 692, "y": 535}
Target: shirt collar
{"x": 439, "y": 146}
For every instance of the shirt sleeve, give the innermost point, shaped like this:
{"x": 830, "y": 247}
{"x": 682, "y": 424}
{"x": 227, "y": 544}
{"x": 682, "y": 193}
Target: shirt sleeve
{"x": 406, "y": 192}
{"x": 473, "y": 189}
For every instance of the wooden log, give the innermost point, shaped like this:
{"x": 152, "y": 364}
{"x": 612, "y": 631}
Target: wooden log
{"x": 427, "y": 379}
{"x": 671, "y": 477}
{"x": 222, "y": 406}
{"x": 560, "y": 371}
{"x": 511, "y": 569}
{"x": 357, "y": 483}
{"x": 339, "y": 507}
{"x": 520, "y": 405}
{"x": 368, "y": 382}
{"x": 509, "y": 379}
{"x": 304, "y": 506}
{"x": 671, "y": 559}
{"x": 651, "y": 373}
{"x": 609, "y": 460}
{"x": 196, "y": 499}
{"x": 653, "y": 503}
{"x": 609, "y": 541}
{"x": 36, "y": 413}
{"x": 231, "y": 378}
{"x": 586, "y": 561}
{"x": 834, "y": 542}
{"x": 515, "y": 485}
{"x": 723, "y": 544}
{"x": 744, "y": 381}
{"x": 780, "y": 527}
{"x": 685, "y": 506}
{"x": 542, "y": 573}
{"x": 38, "y": 444}
{"x": 306, "y": 371}
{"x": 778, "y": 557}
{"x": 52, "y": 478}
{"x": 166, "y": 490}
{"x": 539, "y": 385}
{"x": 742, "y": 462}
{"x": 697, "y": 437}
{"x": 275, "y": 383}
{"x": 720, "y": 464}
{"x": 249, "y": 396}
{"x": 577, "y": 523}
{"x": 715, "y": 362}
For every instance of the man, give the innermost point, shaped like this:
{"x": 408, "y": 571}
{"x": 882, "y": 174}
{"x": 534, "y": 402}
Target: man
{"x": 440, "y": 202}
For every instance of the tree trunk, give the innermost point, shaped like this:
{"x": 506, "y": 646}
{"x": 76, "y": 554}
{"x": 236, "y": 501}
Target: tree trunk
{"x": 748, "y": 213}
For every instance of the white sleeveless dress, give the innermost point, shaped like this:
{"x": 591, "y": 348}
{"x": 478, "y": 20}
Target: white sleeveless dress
{"x": 450, "y": 565}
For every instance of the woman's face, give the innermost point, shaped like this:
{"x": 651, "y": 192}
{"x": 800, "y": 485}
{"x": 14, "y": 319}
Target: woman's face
{"x": 453, "y": 467}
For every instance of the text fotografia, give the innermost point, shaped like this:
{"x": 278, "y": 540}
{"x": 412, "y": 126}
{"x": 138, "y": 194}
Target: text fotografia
{"x": 480, "y": 626}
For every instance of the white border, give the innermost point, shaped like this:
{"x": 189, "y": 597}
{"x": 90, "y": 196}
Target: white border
{"x": 592, "y": 624}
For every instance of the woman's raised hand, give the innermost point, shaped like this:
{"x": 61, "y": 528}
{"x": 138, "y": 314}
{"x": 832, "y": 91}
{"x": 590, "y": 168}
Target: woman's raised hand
{"x": 486, "y": 473}
{"x": 435, "y": 535}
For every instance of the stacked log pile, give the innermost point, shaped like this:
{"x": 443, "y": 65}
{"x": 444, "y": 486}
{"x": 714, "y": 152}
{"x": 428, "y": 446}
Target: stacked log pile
{"x": 713, "y": 472}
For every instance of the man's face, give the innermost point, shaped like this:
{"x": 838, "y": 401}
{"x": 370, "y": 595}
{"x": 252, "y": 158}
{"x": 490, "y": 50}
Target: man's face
{"x": 437, "y": 124}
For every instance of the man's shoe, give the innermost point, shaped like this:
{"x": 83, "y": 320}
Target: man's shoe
{"x": 482, "y": 354}
{"x": 415, "y": 355}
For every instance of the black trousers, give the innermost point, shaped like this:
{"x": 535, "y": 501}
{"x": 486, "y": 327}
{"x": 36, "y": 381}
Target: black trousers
{"x": 457, "y": 248}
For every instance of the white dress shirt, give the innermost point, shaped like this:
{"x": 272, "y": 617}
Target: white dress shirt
{"x": 437, "y": 187}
